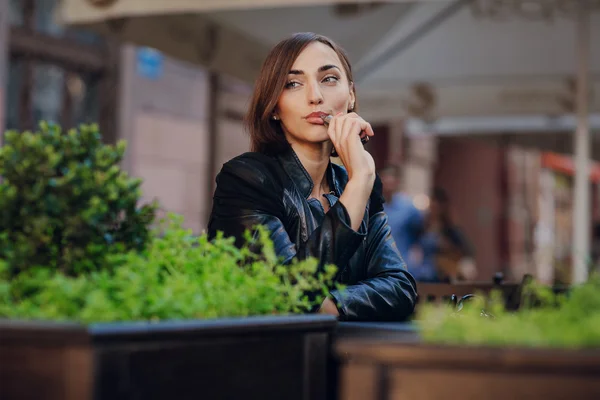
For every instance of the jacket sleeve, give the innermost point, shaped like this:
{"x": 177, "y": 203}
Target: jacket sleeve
{"x": 249, "y": 193}
{"x": 389, "y": 293}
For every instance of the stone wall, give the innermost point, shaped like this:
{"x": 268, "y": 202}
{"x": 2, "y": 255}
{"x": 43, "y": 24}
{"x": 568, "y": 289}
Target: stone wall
{"x": 165, "y": 121}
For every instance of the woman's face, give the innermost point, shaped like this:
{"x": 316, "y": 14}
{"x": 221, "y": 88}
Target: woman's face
{"x": 316, "y": 84}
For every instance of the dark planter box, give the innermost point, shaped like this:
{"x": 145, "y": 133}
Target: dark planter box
{"x": 279, "y": 357}
{"x": 405, "y": 332}
{"x": 394, "y": 369}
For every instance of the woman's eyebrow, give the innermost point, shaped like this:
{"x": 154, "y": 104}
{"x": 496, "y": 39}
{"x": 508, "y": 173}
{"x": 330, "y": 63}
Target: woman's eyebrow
{"x": 321, "y": 69}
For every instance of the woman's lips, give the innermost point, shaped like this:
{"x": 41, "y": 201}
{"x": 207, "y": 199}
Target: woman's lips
{"x": 316, "y": 117}
{"x": 315, "y": 120}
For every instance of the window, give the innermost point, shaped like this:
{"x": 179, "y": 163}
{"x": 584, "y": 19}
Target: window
{"x": 83, "y": 91}
{"x": 15, "y": 78}
{"x": 46, "y": 99}
{"x": 57, "y": 73}
{"x": 45, "y": 21}
{"x": 15, "y": 12}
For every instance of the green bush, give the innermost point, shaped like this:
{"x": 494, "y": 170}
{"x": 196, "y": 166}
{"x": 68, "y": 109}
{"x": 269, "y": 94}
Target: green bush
{"x": 74, "y": 245}
{"x": 178, "y": 276}
{"x": 570, "y": 320}
{"x": 65, "y": 203}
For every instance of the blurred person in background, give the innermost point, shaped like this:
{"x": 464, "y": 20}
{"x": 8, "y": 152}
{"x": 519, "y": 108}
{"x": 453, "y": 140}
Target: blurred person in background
{"x": 447, "y": 255}
{"x": 405, "y": 219}
{"x": 311, "y": 206}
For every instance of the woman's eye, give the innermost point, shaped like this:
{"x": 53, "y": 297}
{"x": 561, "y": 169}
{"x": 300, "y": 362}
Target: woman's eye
{"x": 331, "y": 79}
{"x": 291, "y": 85}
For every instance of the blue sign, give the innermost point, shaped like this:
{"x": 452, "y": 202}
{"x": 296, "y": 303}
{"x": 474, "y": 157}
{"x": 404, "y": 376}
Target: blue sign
{"x": 150, "y": 63}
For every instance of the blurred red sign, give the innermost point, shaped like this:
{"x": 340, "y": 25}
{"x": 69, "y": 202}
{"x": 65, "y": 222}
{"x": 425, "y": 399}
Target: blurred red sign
{"x": 566, "y": 165}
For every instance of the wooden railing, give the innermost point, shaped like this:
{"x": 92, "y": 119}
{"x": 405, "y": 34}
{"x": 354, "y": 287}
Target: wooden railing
{"x": 442, "y": 292}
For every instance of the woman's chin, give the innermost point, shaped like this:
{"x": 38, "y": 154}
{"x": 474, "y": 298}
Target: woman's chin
{"x": 319, "y": 136}
{"x": 313, "y": 138}
{"x": 316, "y": 140}
{"x": 322, "y": 141}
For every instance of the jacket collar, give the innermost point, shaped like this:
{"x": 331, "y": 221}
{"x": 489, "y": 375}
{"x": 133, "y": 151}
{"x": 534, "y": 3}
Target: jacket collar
{"x": 301, "y": 178}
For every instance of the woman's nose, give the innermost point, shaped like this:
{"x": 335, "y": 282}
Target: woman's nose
{"x": 314, "y": 94}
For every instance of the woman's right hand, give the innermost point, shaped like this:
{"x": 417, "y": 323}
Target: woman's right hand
{"x": 344, "y": 131}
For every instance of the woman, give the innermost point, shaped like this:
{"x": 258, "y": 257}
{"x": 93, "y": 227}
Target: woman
{"x": 312, "y": 207}
{"x": 446, "y": 254}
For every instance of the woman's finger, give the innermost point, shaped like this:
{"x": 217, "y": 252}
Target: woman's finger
{"x": 332, "y": 129}
{"x": 368, "y": 128}
{"x": 340, "y": 145}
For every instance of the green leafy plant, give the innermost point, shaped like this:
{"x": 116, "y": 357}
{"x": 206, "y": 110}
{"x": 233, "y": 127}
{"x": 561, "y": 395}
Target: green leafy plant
{"x": 75, "y": 245}
{"x": 545, "y": 319}
{"x": 65, "y": 203}
{"x": 178, "y": 276}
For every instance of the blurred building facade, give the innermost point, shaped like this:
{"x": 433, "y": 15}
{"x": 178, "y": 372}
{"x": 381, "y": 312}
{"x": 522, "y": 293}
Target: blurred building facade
{"x": 159, "y": 105}
{"x": 54, "y": 73}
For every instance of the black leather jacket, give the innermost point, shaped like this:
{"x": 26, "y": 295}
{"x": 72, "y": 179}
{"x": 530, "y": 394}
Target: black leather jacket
{"x": 273, "y": 191}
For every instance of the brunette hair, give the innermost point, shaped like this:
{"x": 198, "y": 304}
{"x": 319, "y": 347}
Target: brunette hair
{"x": 266, "y": 134}
{"x": 440, "y": 196}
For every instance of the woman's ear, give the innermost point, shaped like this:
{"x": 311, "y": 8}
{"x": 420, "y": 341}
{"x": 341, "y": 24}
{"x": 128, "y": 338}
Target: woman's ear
{"x": 275, "y": 115}
{"x": 352, "y": 97}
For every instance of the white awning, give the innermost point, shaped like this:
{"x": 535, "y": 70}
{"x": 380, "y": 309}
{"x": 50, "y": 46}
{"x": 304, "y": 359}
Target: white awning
{"x": 233, "y": 36}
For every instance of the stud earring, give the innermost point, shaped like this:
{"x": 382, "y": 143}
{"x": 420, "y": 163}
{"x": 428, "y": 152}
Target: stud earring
{"x": 275, "y": 117}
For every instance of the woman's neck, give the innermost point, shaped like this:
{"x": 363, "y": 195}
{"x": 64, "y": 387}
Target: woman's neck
{"x": 315, "y": 161}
